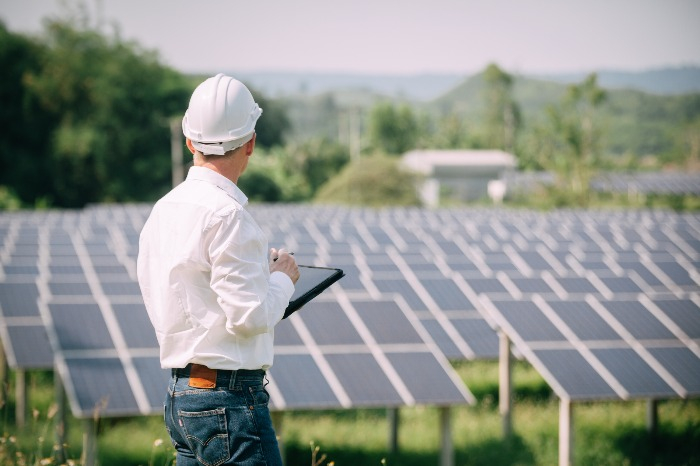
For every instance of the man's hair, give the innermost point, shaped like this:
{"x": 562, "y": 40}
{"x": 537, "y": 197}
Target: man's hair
{"x": 210, "y": 157}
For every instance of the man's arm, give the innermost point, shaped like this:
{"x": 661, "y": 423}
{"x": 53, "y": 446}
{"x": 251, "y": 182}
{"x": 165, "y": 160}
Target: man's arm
{"x": 252, "y": 298}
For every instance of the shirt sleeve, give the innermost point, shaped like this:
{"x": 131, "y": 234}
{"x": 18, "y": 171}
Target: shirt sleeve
{"x": 252, "y": 299}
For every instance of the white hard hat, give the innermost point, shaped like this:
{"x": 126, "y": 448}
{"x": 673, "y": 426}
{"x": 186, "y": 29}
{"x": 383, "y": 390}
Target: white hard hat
{"x": 221, "y": 115}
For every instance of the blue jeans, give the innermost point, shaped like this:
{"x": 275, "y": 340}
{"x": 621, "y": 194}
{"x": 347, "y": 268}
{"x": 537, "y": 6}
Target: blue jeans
{"x": 226, "y": 423}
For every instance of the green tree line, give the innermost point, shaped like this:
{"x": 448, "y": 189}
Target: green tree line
{"x": 86, "y": 118}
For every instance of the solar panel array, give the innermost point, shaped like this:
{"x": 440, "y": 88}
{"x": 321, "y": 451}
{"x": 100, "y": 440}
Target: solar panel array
{"x": 604, "y": 304}
{"x": 679, "y": 183}
{"x": 648, "y": 183}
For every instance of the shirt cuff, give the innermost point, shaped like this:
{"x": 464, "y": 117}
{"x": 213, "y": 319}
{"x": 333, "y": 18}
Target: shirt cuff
{"x": 282, "y": 280}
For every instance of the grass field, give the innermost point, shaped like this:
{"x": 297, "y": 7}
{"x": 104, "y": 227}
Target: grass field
{"x": 606, "y": 433}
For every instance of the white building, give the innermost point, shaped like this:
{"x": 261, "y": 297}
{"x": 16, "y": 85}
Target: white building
{"x": 464, "y": 175}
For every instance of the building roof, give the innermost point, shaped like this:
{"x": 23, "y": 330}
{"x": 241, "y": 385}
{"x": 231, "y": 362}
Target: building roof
{"x": 428, "y": 161}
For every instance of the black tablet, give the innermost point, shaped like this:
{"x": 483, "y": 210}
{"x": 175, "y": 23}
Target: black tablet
{"x": 312, "y": 281}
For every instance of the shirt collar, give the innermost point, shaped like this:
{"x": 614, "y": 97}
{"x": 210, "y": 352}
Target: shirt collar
{"x": 210, "y": 176}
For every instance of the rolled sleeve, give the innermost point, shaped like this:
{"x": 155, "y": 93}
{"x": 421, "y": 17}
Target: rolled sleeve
{"x": 285, "y": 284}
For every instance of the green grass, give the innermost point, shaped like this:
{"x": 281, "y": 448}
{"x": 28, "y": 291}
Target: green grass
{"x": 605, "y": 433}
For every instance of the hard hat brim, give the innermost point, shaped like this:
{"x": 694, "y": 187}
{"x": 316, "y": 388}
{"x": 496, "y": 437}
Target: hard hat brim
{"x": 220, "y": 148}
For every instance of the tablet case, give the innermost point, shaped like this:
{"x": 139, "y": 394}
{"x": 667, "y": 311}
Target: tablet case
{"x": 312, "y": 281}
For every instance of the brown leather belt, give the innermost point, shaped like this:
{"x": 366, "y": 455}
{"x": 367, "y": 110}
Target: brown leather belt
{"x": 202, "y": 376}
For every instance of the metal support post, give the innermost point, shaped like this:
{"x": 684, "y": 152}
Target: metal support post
{"x": 20, "y": 398}
{"x": 566, "y": 434}
{"x": 447, "y": 457}
{"x": 505, "y": 386}
{"x": 278, "y": 424}
{"x": 60, "y": 422}
{"x": 4, "y": 382}
{"x": 89, "y": 456}
{"x": 392, "y": 417}
{"x": 652, "y": 416}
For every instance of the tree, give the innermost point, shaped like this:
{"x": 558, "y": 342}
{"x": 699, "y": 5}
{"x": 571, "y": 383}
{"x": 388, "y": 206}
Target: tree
{"x": 573, "y": 151}
{"x": 317, "y": 161}
{"x": 452, "y": 133}
{"x": 112, "y": 102}
{"x": 273, "y": 124}
{"x": 502, "y": 112}
{"x": 374, "y": 181}
{"x": 393, "y": 130}
{"x": 25, "y": 137}
{"x": 259, "y": 186}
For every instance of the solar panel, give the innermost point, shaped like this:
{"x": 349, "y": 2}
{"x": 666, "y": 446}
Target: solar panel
{"x": 99, "y": 385}
{"x": 355, "y": 371}
{"x": 486, "y": 285}
{"x": 570, "y": 375}
{"x": 624, "y": 348}
{"x": 582, "y": 319}
{"x": 80, "y": 327}
{"x": 442, "y": 339}
{"x": 531, "y": 285}
{"x": 346, "y": 346}
{"x": 328, "y": 324}
{"x": 402, "y": 287}
{"x": 683, "y": 365}
{"x": 685, "y": 313}
{"x": 638, "y": 320}
{"x": 447, "y": 295}
{"x": 153, "y": 378}
{"x": 310, "y": 391}
{"x": 633, "y": 373}
{"x": 387, "y": 323}
{"x": 577, "y": 285}
{"x": 479, "y": 335}
{"x": 27, "y": 346}
{"x": 620, "y": 285}
{"x": 22, "y": 331}
{"x": 19, "y": 299}
{"x": 528, "y": 318}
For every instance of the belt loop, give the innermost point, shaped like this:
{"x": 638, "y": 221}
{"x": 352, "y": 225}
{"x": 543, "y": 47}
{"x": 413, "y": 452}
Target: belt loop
{"x": 232, "y": 380}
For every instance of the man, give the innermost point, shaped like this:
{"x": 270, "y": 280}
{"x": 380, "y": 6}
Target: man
{"x": 212, "y": 292}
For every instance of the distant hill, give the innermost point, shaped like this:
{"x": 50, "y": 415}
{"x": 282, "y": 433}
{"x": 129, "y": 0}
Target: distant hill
{"x": 466, "y": 99}
{"x": 410, "y": 87}
{"x": 426, "y": 87}
{"x": 664, "y": 81}
{"x": 635, "y": 121}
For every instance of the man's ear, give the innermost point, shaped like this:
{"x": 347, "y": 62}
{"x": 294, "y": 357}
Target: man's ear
{"x": 190, "y": 146}
{"x": 250, "y": 145}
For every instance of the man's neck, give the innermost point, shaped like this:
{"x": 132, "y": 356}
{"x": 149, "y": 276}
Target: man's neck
{"x": 223, "y": 167}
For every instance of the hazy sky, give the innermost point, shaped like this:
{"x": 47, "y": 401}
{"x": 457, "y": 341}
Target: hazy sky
{"x": 396, "y": 36}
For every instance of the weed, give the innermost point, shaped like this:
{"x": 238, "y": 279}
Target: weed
{"x": 315, "y": 449}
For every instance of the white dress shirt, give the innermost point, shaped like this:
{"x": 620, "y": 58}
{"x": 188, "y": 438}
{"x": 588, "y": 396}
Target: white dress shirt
{"x": 204, "y": 273}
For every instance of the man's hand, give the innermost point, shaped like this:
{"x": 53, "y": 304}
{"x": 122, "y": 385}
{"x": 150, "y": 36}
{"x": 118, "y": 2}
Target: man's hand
{"x": 282, "y": 261}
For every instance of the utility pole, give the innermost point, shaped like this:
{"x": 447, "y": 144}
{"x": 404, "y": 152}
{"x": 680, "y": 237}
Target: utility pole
{"x": 354, "y": 130}
{"x": 178, "y": 170}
